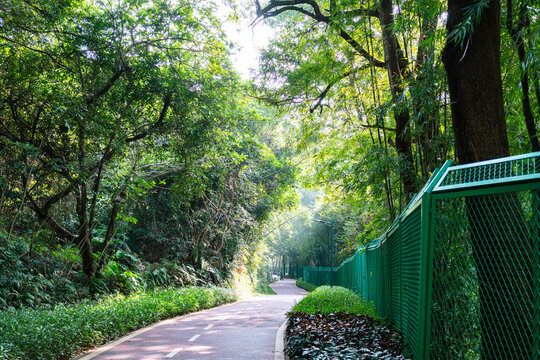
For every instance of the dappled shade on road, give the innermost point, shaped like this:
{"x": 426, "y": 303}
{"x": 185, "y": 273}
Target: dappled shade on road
{"x": 242, "y": 330}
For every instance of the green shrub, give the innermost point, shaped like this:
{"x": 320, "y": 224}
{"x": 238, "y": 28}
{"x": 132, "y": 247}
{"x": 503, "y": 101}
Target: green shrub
{"x": 34, "y": 276}
{"x": 305, "y": 285}
{"x": 328, "y": 300}
{"x": 67, "y": 330}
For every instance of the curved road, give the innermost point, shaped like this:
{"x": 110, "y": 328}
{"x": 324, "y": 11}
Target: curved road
{"x": 242, "y": 330}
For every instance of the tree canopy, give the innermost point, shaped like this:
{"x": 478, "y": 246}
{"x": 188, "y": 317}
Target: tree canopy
{"x": 126, "y": 135}
{"x": 127, "y": 139}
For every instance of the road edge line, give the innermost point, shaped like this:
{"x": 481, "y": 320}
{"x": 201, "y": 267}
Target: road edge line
{"x": 90, "y": 354}
{"x": 279, "y": 352}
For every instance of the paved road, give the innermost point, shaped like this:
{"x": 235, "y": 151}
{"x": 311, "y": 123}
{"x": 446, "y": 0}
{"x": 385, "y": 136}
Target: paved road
{"x": 242, "y": 330}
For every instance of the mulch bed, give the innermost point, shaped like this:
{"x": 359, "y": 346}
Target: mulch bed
{"x": 341, "y": 336}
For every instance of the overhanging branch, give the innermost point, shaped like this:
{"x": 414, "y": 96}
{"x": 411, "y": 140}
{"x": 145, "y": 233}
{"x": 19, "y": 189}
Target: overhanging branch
{"x": 275, "y": 8}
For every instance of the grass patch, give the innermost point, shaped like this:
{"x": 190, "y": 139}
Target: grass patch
{"x": 71, "y": 329}
{"x": 329, "y": 300}
{"x": 264, "y": 289}
{"x": 305, "y": 285}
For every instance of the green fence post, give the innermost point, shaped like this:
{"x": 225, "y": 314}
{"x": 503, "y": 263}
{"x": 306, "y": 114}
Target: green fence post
{"x": 332, "y": 252}
{"x": 535, "y": 234}
{"x": 426, "y": 265}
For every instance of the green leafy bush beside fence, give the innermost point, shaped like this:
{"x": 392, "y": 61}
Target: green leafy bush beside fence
{"x": 67, "y": 330}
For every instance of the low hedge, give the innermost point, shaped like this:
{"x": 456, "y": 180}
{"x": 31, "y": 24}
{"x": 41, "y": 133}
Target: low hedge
{"x": 305, "y": 285}
{"x": 334, "y": 299}
{"x": 67, "y": 330}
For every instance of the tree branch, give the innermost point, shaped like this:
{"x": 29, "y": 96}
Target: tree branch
{"x": 59, "y": 230}
{"x": 57, "y": 197}
{"x": 157, "y": 124}
{"x": 323, "y": 94}
{"x": 107, "y": 86}
{"x": 369, "y": 126}
{"x": 111, "y": 227}
{"x": 293, "y": 5}
{"x": 361, "y": 12}
{"x": 275, "y": 8}
{"x": 360, "y": 50}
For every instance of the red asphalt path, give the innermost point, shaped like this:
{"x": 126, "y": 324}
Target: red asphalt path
{"x": 242, "y": 330}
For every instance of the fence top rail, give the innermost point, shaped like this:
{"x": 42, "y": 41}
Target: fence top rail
{"x": 320, "y": 268}
{"x": 510, "y": 170}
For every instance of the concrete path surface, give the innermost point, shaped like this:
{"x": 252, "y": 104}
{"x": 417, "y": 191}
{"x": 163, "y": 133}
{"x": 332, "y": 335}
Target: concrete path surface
{"x": 242, "y": 330}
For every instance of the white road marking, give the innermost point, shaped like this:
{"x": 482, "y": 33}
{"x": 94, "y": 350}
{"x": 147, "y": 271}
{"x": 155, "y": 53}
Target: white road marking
{"x": 187, "y": 317}
{"x": 174, "y": 352}
{"x": 208, "y": 327}
{"x": 194, "y": 337}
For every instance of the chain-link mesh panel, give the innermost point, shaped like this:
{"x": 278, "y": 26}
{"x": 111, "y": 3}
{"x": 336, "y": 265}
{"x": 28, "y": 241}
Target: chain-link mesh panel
{"x": 410, "y": 269}
{"x": 340, "y": 278}
{"x": 371, "y": 258}
{"x": 363, "y": 275}
{"x": 485, "y": 278}
{"x": 295, "y": 271}
{"x": 379, "y": 280}
{"x": 394, "y": 274}
{"x": 455, "y": 315}
{"x": 385, "y": 304}
{"x": 317, "y": 275}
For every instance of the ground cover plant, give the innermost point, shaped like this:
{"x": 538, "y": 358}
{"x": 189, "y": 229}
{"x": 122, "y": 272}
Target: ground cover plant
{"x": 67, "y": 330}
{"x": 264, "y": 289}
{"x": 335, "y": 323}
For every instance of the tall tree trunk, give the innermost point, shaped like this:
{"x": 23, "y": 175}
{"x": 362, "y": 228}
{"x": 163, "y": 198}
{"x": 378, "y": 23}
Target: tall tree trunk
{"x": 396, "y": 64}
{"x": 499, "y": 245}
{"x": 84, "y": 241}
{"x": 116, "y": 203}
{"x": 516, "y": 33}
{"x": 426, "y": 121}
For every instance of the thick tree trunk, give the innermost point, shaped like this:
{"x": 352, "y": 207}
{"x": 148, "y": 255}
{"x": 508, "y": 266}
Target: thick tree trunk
{"x": 475, "y": 85}
{"x": 501, "y": 248}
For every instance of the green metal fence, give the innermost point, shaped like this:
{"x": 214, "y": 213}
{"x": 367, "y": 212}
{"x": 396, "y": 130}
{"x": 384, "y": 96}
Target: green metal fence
{"x": 459, "y": 271}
